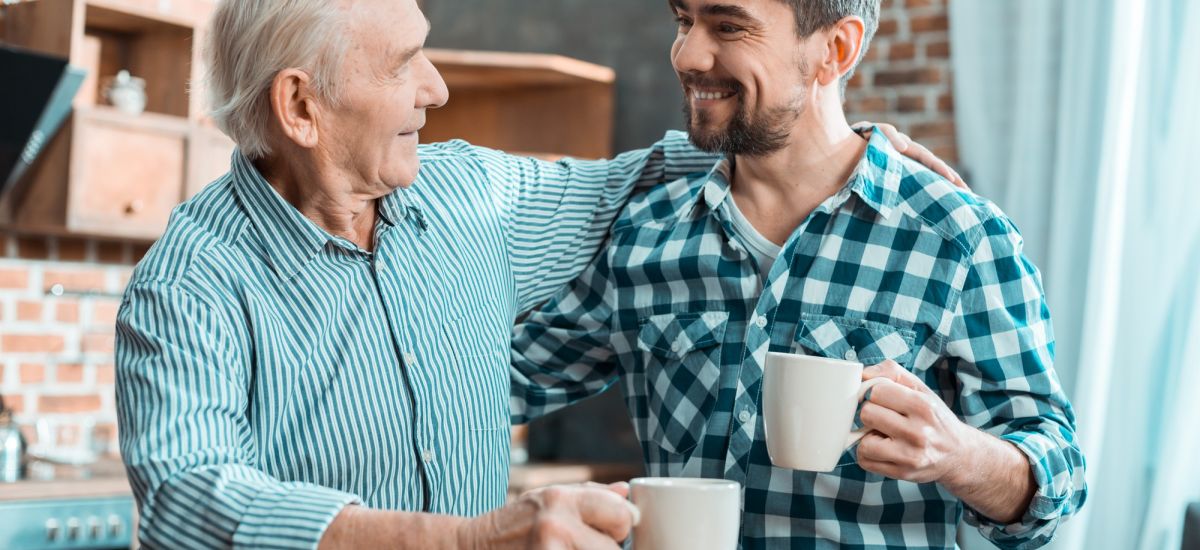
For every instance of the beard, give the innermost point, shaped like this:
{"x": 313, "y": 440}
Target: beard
{"x": 744, "y": 135}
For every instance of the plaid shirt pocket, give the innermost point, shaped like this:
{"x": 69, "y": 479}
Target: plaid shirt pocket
{"x": 850, "y": 339}
{"x": 682, "y": 359}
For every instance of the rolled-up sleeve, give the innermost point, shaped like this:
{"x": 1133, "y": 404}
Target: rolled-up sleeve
{"x": 1002, "y": 351}
{"x": 182, "y": 400}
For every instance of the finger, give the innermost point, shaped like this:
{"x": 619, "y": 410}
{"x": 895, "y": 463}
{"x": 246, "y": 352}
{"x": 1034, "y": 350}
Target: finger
{"x": 879, "y": 448}
{"x": 621, "y": 488}
{"x": 889, "y": 423}
{"x": 901, "y": 399}
{"x": 883, "y": 468}
{"x": 606, "y": 512}
{"x": 861, "y": 126}
{"x": 899, "y": 139}
{"x": 586, "y": 538}
{"x": 893, "y": 371}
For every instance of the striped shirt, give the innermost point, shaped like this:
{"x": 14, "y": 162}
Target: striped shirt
{"x": 897, "y": 265}
{"x": 269, "y": 373}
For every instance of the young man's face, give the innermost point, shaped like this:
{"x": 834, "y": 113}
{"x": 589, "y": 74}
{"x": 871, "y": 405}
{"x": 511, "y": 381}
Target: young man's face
{"x": 744, "y": 73}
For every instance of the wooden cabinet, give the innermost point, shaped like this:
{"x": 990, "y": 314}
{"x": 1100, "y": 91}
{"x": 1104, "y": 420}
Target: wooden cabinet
{"x": 544, "y": 105}
{"x": 108, "y": 173}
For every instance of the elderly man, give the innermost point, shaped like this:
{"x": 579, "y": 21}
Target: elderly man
{"x": 316, "y": 352}
{"x": 811, "y": 239}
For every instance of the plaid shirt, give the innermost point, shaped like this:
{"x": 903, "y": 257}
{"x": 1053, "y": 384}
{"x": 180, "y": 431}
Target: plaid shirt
{"x": 898, "y": 265}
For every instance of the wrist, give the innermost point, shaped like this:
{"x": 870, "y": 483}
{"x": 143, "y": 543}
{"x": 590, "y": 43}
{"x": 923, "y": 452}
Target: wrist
{"x": 961, "y": 466}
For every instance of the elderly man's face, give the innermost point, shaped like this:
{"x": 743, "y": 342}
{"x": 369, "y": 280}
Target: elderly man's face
{"x": 387, "y": 84}
{"x": 743, "y": 71}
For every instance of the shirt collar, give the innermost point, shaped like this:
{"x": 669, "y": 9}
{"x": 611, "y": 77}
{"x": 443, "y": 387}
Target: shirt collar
{"x": 875, "y": 180}
{"x": 292, "y": 240}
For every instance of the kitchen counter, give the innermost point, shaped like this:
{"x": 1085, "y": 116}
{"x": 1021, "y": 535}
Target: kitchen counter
{"x": 105, "y": 478}
{"x": 523, "y": 477}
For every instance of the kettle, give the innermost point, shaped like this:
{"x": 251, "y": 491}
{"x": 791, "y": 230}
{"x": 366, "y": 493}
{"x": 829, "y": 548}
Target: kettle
{"x": 12, "y": 447}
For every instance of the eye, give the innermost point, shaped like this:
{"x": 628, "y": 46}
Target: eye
{"x": 728, "y": 29}
{"x": 683, "y": 22}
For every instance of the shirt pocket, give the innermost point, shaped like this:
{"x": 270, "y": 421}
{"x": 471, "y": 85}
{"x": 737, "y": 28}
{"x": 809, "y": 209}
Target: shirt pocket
{"x": 683, "y": 367}
{"x": 851, "y": 339}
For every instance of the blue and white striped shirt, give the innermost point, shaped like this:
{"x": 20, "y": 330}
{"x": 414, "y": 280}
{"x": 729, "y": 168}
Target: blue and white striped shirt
{"x": 269, "y": 373}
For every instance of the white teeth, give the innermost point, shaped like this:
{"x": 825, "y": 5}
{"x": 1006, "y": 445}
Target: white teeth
{"x": 711, "y": 95}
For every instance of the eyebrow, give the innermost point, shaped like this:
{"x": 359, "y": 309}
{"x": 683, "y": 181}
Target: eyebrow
{"x": 717, "y": 10}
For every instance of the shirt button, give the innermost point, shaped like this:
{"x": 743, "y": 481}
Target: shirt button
{"x": 410, "y": 359}
{"x": 744, "y": 416}
{"x": 851, "y": 355}
{"x": 760, "y": 322}
{"x": 676, "y": 347}
{"x": 379, "y": 267}
{"x": 427, "y": 455}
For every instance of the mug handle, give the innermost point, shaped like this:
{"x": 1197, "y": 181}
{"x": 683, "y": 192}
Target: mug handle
{"x": 858, "y": 434}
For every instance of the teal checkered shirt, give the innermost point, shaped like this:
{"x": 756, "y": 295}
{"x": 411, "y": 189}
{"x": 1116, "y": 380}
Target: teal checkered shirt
{"x": 898, "y": 265}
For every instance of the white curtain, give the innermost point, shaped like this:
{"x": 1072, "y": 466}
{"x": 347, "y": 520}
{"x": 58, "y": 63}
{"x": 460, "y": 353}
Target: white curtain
{"x": 1080, "y": 119}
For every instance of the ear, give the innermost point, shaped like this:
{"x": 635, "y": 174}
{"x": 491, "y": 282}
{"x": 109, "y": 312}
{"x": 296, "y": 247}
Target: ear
{"x": 294, "y": 107}
{"x": 844, "y": 43}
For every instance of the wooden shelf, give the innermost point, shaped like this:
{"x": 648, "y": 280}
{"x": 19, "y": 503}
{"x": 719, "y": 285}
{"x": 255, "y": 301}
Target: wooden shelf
{"x": 108, "y": 173}
{"x": 524, "y": 102}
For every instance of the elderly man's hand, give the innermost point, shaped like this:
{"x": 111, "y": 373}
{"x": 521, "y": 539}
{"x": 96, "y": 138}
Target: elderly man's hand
{"x": 906, "y": 146}
{"x": 915, "y": 436}
{"x": 584, "y": 517}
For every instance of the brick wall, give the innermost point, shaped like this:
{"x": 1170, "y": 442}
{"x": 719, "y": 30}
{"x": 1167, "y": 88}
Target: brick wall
{"x": 58, "y": 303}
{"x": 905, "y": 77}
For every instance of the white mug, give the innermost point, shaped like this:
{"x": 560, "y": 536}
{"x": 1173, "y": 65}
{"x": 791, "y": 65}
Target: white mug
{"x": 682, "y": 513}
{"x": 808, "y": 409}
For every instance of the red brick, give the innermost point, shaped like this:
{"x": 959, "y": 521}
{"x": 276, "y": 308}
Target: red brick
{"x": 69, "y": 373}
{"x": 887, "y": 27}
{"x": 921, "y": 3}
{"x": 106, "y": 373}
{"x": 32, "y": 373}
{"x": 900, "y": 51}
{"x": 929, "y": 23}
{"x": 944, "y": 128}
{"x": 858, "y": 81}
{"x": 911, "y": 104}
{"x": 14, "y": 278}
{"x": 110, "y": 252}
{"x": 32, "y": 343}
{"x": 79, "y": 281}
{"x": 72, "y": 250}
{"x": 28, "y": 310}
{"x": 33, "y": 248}
{"x": 104, "y": 312}
{"x": 69, "y": 403}
{"x": 945, "y": 103}
{"x": 938, "y": 50}
{"x": 868, "y": 105}
{"x": 15, "y": 402}
{"x": 948, "y": 152}
{"x": 98, "y": 342}
{"x": 67, "y": 311}
{"x": 924, "y": 75}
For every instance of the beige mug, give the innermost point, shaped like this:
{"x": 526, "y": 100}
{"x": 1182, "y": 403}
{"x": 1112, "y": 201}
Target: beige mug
{"x": 679, "y": 513}
{"x": 808, "y": 409}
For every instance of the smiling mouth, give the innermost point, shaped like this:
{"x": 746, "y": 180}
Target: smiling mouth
{"x": 711, "y": 95}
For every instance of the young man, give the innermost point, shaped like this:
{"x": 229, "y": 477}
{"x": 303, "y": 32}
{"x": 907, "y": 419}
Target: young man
{"x": 808, "y": 238}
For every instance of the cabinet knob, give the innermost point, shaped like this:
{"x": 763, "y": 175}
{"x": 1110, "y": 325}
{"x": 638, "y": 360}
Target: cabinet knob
{"x": 53, "y": 530}
{"x": 73, "y": 527}
{"x": 115, "y": 526}
{"x": 134, "y": 207}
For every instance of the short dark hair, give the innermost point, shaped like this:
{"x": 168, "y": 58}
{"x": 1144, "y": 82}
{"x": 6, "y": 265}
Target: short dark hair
{"x": 817, "y": 15}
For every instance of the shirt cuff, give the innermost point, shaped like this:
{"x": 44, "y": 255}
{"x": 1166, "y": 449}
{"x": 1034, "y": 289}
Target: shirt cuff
{"x": 1036, "y": 527}
{"x": 290, "y": 515}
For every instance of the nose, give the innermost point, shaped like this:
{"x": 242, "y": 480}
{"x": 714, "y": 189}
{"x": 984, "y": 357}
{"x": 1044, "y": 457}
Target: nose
{"x": 432, "y": 92}
{"x": 694, "y": 53}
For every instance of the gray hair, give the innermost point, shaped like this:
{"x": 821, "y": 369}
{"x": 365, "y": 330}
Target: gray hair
{"x": 249, "y": 42}
{"x": 816, "y": 15}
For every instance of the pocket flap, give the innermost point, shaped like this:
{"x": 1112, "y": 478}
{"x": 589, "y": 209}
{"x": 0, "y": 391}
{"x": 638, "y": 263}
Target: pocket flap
{"x": 867, "y": 342}
{"x": 674, "y": 335}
